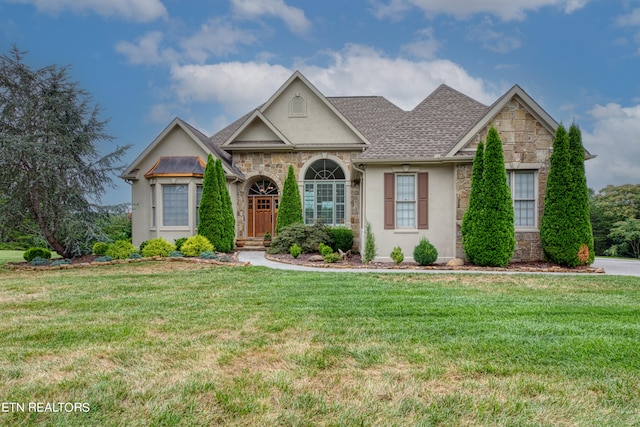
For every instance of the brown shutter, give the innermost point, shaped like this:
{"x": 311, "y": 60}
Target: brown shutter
{"x": 389, "y": 200}
{"x": 423, "y": 200}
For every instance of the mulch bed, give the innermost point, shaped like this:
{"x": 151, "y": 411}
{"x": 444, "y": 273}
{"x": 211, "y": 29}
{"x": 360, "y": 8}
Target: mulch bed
{"x": 355, "y": 261}
{"x": 89, "y": 261}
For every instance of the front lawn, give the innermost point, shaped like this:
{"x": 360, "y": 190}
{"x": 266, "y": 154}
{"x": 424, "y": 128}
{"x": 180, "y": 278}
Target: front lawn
{"x": 11, "y": 256}
{"x": 158, "y": 343}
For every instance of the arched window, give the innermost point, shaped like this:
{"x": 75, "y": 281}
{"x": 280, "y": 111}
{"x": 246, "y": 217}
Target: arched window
{"x": 324, "y": 193}
{"x": 264, "y": 187}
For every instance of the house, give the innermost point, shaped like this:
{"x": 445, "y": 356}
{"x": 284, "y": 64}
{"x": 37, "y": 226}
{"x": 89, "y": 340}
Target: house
{"x": 357, "y": 159}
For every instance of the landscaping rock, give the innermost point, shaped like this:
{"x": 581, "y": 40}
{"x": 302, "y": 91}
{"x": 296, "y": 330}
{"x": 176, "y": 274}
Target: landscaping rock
{"x": 456, "y": 262}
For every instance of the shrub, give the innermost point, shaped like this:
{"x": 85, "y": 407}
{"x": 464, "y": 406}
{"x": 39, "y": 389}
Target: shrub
{"x": 225, "y": 258}
{"x": 103, "y": 259}
{"x": 295, "y": 251}
{"x": 396, "y": 255}
{"x": 32, "y": 253}
{"x": 142, "y": 245}
{"x": 100, "y": 248}
{"x": 39, "y": 261}
{"x": 208, "y": 255}
{"x": 290, "y": 208}
{"x": 307, "y": 237}
{"x": 331, "y": 257}
{"x": 157, "y": 247}
{"x": 324, "y": 249}
{"x": 61, "y": 262}
{"x": 195, "y": 245}
{"x": 470, "y": 227}
{"x": 342, "y": 238}
{"x": 369, "y": 244}
{"x": 425, "y": 253}
{"x": 135, "y": 255}
{"x": 122, "y": 249}
{"x": 179, "y": 242}
{"x": 176, "y": 254}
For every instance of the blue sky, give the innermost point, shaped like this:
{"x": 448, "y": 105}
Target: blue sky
{"x": 208, "y": 62}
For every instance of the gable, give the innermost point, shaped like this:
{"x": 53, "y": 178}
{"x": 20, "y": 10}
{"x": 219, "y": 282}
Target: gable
{"x": 177, "y": 140}
{"x": 299, "y": 116}
{"x": 518, "y": 119}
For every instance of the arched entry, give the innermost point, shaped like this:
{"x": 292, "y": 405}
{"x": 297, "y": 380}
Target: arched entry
{"x": 262, "y": 208}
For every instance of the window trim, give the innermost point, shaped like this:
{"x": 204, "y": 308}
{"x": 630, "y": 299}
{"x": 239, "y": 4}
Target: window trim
{"x": 413, "y": 201}
{"x": 536, "y": 197}
{"x": 421, "y": 201}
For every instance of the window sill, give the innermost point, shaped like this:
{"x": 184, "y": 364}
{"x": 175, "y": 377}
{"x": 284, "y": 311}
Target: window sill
{"x": 406, "y": 231}
{"x": 527, "y": 230}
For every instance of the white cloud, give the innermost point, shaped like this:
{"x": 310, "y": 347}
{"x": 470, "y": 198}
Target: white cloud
{"x": 361, "y": 70}
{"x": 131, "y": 10}
{"x": 293, "y": 17}
{"x": 217, "y": 37}
{"x": 630, "y": 19}
{"x": 147, "y": 50}
{"x": 425, "y": 47}
{"x": 237, "y": 86}
{"x": 355, "y": 70}
{"x": 507, "y": 10}
{"x": 493, "y": 40}
{"x": 615, "y": 139}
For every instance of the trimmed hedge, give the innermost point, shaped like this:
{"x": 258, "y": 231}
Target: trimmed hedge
{"x": 195, "y": 245}
{"x": 425, "y": 253}
{"x": 32, "y": 253}
{"x": 305, "y": 236}
{"x": 157, "y": 247}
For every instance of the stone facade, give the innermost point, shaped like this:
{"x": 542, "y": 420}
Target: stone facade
{"x": 527, "y": 145}
{"x": 275, "y": 165}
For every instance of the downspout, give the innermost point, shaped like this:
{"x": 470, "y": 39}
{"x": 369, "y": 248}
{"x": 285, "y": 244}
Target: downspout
{"x": 363, "y": 195}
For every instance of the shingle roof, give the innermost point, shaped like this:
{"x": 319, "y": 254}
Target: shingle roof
{"x": 373, "y": 116}
{"x": 431, "y": 128}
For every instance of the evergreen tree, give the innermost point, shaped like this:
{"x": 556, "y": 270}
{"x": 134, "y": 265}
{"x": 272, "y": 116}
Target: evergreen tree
{"x": 225, "y": 212}
{"x": 494, "y": 229}
{"x": 290, "y": 209}
{"x": 209, "y": 224}
{"x": 557, "y": 235}
{"x": 580, "y": 199}
{"x": 53, "y": 166}
{"x": 470, "y": 217}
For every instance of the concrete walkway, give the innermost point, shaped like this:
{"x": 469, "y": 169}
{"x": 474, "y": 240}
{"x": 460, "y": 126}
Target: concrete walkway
{"x": 611, "y": 267}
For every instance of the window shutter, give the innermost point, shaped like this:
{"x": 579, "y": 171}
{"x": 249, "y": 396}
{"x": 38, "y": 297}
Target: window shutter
{"x": 389, "y": 201}
{"x": 423, "y": 200}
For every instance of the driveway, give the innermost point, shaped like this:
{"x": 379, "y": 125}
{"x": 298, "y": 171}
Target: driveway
{"x": 620, "y": 267}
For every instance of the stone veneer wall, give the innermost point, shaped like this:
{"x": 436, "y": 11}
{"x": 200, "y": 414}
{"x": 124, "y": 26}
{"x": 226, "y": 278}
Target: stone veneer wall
{"x": 275, "y": 166}
{"x": 524, "y": 140}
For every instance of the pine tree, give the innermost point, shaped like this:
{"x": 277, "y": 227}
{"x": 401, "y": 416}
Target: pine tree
{"x": 494, "y": 229}
{"x": 290, "y": 209}
{"x": 470, "y": 217}
{"x": 557, "y": 235}
{"x": 209, "y": 223}
{"x": 227, "y": 219}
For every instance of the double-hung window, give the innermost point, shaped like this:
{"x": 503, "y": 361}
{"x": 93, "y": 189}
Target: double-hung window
{"x": 406, "y": 200}
{"x": 523, "y": 193}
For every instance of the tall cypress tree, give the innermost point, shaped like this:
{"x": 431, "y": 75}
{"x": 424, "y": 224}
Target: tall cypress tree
{"x": 290, "y": 209}
{"x": 557, "y": 234}
{"x": 470, "y": 218}
{"x": 579, "y": 195}
{"x": 227, "y": 227}
{"x": 495, "y": 226}
{"x": 208, "y": 225}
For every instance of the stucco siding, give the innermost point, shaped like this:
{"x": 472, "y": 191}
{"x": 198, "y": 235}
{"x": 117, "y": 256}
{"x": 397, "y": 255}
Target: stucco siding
{"x": 441, "y": 212}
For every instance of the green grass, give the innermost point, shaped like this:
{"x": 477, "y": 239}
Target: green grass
{"x": 11, "y": 256}
{"x": 181, "y": 344}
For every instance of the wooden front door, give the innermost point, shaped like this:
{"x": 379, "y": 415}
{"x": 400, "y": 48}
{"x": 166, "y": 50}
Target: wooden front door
{"x": 262, "y": 215}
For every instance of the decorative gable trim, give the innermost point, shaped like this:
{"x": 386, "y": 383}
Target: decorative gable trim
{"x": 527, "y": 102}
